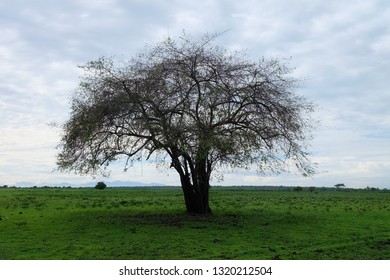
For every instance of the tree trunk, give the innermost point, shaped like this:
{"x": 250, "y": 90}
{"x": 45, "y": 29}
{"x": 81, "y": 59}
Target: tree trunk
{"x": 196, "y": 196}
{"x": 195, "y": 180}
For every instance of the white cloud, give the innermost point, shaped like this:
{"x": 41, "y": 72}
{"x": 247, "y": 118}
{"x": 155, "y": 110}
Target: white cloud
{"x": 341, "y": 46}
{"x": 382, "y": 45}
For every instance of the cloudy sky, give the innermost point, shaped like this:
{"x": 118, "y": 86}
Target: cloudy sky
{"x": 340, "y": 47}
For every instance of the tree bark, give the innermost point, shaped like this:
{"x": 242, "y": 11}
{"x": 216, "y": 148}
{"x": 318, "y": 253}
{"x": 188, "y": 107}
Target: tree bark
{"x": 194, "y": 178}
{"x": 196, "y": 196}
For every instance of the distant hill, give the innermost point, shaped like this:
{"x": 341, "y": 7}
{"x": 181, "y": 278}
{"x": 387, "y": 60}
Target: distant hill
{"x": 91, "y": 184}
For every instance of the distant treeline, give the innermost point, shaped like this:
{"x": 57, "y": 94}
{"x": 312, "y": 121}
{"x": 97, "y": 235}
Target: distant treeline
{"x": 36, "y": 187}
{"x": 299, "y": 188}
{"x": 243, "y": 187}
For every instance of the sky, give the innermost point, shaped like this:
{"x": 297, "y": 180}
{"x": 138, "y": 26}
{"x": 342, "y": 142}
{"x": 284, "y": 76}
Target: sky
{"x": 340, "y": 48}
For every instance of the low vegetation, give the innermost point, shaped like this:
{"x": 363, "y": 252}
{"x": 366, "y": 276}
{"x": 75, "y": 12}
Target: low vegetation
{"x": 151, "y": 223}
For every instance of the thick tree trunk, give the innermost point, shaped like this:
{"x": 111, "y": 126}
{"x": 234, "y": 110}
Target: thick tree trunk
{"x": 196, "y": 197}
{"x": 195, "y": 180}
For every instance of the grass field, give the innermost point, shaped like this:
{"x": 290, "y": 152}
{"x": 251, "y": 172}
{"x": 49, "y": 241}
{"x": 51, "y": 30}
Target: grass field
{"x": 150, "y": 223}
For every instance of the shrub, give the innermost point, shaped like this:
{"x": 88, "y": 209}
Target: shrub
{"x": 100, "y": 186}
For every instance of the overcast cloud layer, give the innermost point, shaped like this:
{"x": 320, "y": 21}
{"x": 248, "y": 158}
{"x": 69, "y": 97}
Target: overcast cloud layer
{"x": 341, "y": 48}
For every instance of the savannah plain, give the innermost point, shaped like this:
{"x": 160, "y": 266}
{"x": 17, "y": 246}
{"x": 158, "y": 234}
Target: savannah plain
{"x": 267, "y": 223}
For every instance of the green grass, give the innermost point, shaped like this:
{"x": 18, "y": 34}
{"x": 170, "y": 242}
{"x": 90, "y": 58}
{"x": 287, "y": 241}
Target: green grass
{"x": 151, "y": 223}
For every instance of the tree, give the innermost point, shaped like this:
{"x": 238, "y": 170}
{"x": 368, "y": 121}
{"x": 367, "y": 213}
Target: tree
{"x": 100, "y": 186}
{"x": 190, "y": 101}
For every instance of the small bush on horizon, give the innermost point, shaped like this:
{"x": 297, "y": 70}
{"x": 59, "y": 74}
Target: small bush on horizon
{"x": 100, "y": 186}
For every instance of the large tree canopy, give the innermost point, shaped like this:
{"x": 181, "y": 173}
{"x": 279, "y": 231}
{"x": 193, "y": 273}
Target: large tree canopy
{"x": 200, "y": 105}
